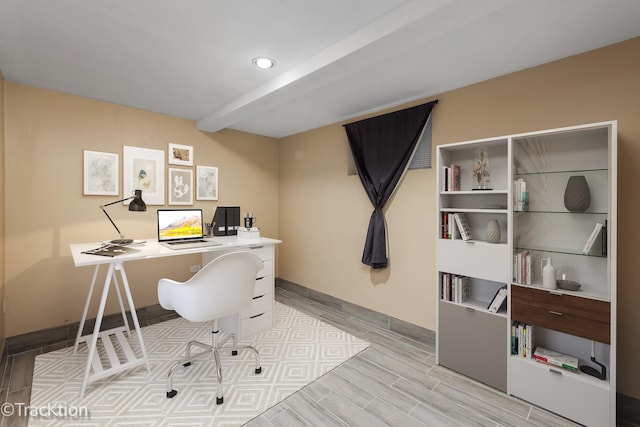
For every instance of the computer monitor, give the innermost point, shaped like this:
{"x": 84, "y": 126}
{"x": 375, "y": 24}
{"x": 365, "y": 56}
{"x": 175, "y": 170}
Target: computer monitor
{"x": 179, "y": 224}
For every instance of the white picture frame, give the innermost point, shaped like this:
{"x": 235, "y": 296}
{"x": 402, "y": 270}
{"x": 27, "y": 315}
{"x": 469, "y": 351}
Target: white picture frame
{"x": 143, "y": 169}
{"x": 206, "y": 182}
{"x": 180, "y": 186}
{"x": 181, "y": 155}
{"x": 100, "y": 175}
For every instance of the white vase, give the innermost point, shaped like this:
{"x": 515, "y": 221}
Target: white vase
{"x": 493, "y": 231}
{"x": 548, "y": 275}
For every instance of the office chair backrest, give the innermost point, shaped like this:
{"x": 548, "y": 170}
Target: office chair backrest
{"x": 224, "y": 286}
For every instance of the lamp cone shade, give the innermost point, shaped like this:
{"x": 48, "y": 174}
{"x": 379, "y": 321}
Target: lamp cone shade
{"x": 137, "y": 204}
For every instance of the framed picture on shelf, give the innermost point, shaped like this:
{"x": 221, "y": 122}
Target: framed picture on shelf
{"x": 180, "y": 155}
{"x": 143, "y": 169}
{"x": 180, "y": 186}
{"x": 207, "y": 183}
{"x": 100, "y": 174}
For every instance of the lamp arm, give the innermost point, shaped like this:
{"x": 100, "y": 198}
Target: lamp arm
{"x": 113, "y": 223}
{"x": 117, "y": 201}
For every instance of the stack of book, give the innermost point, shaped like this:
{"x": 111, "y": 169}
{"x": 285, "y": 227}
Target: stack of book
{"x": 455, "y": 226}
{"x": 463, "y": 226}
{"x": 598, "y": 229}
{"x": 450, "y": 178}
{"x": 453, "y": 287}
{"x": 448, "y": 227}
{"x": 522, "y": 268}
{"x": 499, "y": 300}
{"x": 554, "y": 358}
{"x": 520, "y": 195}
{"x": 522, "y": 339}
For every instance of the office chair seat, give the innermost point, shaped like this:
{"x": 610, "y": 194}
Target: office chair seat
{"x": 224, "y": 286}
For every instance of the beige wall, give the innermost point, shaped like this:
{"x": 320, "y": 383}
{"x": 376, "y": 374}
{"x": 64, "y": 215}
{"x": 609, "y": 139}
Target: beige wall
{"x": 46, "y": 133}
{"x": 2, "y": 204}
{"x": 324, "y": 213}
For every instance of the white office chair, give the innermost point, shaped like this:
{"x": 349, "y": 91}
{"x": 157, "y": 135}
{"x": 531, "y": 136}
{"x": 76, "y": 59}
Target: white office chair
{"x": 222, "y": 287}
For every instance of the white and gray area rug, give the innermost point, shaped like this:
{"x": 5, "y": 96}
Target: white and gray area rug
{"x": 298, "y": 350}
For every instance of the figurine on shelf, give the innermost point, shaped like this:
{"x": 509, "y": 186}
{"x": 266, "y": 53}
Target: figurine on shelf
{"x": 481, "y": 174}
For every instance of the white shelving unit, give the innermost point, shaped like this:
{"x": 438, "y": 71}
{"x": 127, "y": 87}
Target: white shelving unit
{"x": 569, "y": 322}
{"x": 470, "y": 339}
{"x": 477, "y": 343}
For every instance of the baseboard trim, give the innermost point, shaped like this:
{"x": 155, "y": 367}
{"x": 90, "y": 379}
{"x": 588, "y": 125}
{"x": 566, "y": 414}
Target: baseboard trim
{"x": 65, "y": 335}
{"x": 409, "y": 330}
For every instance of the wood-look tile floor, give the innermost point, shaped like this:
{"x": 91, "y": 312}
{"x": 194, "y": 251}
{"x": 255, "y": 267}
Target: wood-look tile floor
{"x": 394, "y": 382}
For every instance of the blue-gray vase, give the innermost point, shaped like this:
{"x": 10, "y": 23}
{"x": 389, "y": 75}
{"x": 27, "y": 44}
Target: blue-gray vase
{"x": 577, "y": 197}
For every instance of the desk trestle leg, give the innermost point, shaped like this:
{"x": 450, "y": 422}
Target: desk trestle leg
{"x": 107, "y": 362}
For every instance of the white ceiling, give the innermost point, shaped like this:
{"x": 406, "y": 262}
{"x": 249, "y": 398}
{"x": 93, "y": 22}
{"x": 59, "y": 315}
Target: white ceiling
{"x": 336, "y": 59}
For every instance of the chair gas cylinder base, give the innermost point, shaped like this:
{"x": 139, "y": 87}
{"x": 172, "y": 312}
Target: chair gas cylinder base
{"x": 217, "y": 345}
{"x": 222, "y": 287}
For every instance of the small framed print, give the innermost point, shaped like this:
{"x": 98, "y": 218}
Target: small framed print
{"x": 180, "y": 186}
{"x": 180, "y": 155}
{"x": 143, "y": 169}
{"x": 207, "y": 183}
{"x": 100, "y": 174}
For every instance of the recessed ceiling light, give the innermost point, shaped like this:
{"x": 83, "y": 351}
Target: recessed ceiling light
{"x": 263, "y": 62}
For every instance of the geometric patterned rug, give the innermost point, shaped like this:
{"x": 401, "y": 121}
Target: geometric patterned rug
{"x": 296, "y": 351}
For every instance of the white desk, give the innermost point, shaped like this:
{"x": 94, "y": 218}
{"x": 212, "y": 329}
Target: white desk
{"x": 151, "y": 249}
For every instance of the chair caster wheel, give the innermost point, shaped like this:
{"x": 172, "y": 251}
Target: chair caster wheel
{"x": 171, "y": 394}
{"x": 219, "y": 400}
{"x": 259, "y": 370}
{"x": 186, "y": 364}
{"x": 234, "y": 352}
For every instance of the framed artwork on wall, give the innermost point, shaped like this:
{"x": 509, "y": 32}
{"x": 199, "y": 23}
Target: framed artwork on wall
{"x": 180, "y": 186}
{"x": 180, "y": 155}
{"x": 143, "y": 169}
{"x": 207, "y": 183}
{"x": 100, "y": 174}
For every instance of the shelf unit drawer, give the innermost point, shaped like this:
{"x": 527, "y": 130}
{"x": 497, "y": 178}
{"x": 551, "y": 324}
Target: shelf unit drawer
{"x": 267, "y": 270}
{"x": 258, "y": 317}
{"x": 474, "y": 258}
{"x": 264, "y": 285}
{"x": 573, "y": 395}
{"x": 256, "y": 324}
{"x": 584, "y": 317}
{"x": 264, "y": 252}
{"x": 473, "y": 343}
{"x": 260, "y": 304}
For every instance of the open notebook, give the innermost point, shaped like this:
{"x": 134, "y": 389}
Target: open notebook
{"x": 182, "y": 229}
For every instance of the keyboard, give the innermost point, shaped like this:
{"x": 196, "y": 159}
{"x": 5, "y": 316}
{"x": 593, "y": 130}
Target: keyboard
{"x": 186, "y": 242}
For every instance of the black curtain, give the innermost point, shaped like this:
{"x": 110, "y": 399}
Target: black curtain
{"x": 382, "y": 147}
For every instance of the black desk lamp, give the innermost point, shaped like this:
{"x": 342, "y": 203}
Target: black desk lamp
{"x": 136, "y": 205}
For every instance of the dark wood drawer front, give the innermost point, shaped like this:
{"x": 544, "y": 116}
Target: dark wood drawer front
{"x": 567, "y": 323}
{"x": 583, "y": 317}
{"x": 562, "y": 303}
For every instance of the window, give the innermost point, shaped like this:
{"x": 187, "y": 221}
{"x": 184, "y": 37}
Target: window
{"x": 422, "y": 157}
